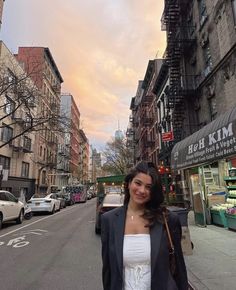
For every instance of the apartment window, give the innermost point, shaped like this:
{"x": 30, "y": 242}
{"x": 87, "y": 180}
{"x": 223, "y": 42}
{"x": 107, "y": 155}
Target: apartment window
{"x": 28, "y": 121}
{"x": 6, "y": 133}
{"x": 5, "y": 162}
{"x": 234, "y": 10}
{"x": 9, "y": 105}
{"x": 202, "y": 12}
{"x": 212, "y": 107}
{"x": 43, "y": 177}
{"x": 40, "y": 151}
{"x": 27, "y": 143}
{"x": 207, "y": 59}
{"x": 25, "y": 169}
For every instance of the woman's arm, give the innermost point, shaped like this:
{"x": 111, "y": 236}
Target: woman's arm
{"x": 181, "y": 272}
{"x": 105, "y": 253}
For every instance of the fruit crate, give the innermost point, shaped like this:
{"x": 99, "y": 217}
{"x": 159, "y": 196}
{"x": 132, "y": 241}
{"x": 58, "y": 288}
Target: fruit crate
{"x": 231, "y": 220}
{"x": 218, "y": 218}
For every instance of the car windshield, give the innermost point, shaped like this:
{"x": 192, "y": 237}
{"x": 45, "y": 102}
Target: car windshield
{"x": 113, "y": 199}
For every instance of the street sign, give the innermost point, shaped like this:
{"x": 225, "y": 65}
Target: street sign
{"x": 167, "y": 136}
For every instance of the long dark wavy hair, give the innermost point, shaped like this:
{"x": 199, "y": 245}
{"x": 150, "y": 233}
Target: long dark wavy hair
{"x": 153, "y": 208}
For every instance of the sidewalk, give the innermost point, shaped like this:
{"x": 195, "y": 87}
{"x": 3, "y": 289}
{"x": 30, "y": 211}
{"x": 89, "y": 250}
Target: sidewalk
{"x": 213, "y": 263}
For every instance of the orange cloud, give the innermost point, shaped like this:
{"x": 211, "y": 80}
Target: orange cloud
{"x": 101, "y": 48}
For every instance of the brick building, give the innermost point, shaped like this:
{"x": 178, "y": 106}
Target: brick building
{"x": 39, "y": 63}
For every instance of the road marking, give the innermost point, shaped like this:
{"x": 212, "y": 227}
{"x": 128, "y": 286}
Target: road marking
{"x": 36, "y": 222}
{"x": 24, "y": 226}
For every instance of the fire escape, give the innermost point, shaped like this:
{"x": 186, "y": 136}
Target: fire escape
{"x": 146, "y": 122}
{"x": 179, "y": 41}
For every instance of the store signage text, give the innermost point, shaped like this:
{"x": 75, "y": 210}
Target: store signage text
{"x": 167, "y": 136}
{"x": 213, "y": 138}
{"x": 216, "y": 145}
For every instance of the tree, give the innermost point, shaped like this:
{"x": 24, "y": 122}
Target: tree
{"x": 19, "y": 105}
{"x": 117, "y": 157}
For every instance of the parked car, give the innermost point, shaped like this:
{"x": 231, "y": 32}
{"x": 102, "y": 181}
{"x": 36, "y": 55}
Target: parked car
{"x": 110, "y": 201}
{"x": 44, "y": 202}
{"x": 69, "y": 198}
{"x": 10, "y": 208}
{"x": 89, "y": 194}
{"x": 62, "y": 199}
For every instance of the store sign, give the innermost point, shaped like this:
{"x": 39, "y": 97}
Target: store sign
{"x": 211, "y": 143}
{"x": 167, "y": 136}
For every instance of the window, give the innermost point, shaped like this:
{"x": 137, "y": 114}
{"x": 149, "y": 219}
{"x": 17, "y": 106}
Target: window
{"x": 213, "y": 108}
{"x": 25, "y": 169}
{"x": 28, "y": 121}
{"x": 6, "y": 133}
{"x": 10, "y": 197}
{"x": 40, "y": 151}
{"x": 207, "y": 59}
{"x": 5, "y": 162}
{"x": 202, "y": 12}
{"x": 9, "y": 105}
{"x": 43, "y": 177}
{"x": 234, "y": 10}
{"x": 3, "y": 196}
{"x": 27, "y": 143}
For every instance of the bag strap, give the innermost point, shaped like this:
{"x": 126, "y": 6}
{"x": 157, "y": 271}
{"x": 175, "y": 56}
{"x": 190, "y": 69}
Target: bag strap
{"x": 171, "y": 249}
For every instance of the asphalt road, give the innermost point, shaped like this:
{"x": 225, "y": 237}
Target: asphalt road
{"x": 59, "y": 251}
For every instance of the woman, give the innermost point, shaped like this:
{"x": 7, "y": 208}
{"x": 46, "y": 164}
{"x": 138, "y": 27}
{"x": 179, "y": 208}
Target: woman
{"x": 135, "y": 245}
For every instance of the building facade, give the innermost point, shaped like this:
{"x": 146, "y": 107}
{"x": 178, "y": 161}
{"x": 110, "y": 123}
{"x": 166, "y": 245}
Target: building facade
{"x": 19, "y": 98}
{"x": 39, "y": 63}
{"x": 1, "y": 11}
{"x": 84, "y": 158}
{"x": 70, "y": 109}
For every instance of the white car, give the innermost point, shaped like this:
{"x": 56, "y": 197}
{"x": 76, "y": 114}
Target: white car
{"x": 10, "y": 208}
{"x": 42, "y": 202}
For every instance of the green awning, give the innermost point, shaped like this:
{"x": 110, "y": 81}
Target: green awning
{"x": 110, "y": 179}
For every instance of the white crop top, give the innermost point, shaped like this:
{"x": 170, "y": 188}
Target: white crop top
{"x": 137, "y": 262}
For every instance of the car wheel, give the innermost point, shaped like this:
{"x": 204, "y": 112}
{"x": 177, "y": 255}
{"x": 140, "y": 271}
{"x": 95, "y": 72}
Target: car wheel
{"x": 53, "y": 210}
{"x": 1, "y": 218}
{"x": 19, "y": 220}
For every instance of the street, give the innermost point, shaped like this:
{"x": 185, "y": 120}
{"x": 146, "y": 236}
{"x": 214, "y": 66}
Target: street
{"x": 59, "y": 251}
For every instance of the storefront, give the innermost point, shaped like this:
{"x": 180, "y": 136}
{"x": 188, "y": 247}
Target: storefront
{"x": 204, "y": 161}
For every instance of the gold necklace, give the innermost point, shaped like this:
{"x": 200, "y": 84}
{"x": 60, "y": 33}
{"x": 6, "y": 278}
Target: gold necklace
{"x": 132, "y": 216}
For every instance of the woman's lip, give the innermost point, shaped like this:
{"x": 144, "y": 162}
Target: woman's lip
{"x": 139, "y": 196}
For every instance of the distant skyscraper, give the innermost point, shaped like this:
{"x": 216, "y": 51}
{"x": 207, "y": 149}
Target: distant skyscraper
{"x": 119, "y": 134}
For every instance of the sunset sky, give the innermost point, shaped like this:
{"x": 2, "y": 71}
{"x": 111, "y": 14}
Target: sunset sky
{"x": 101, "y": 48}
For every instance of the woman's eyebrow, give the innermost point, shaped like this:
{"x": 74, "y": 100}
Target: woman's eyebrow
{"x": 139, "y": 180}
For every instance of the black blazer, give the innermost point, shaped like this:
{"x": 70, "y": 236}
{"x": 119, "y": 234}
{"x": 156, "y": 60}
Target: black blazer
{"x": 112, "y": 235}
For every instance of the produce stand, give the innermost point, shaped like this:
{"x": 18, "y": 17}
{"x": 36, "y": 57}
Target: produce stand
{"x": 218, "y": 218}
{"x": 231, "y": 220}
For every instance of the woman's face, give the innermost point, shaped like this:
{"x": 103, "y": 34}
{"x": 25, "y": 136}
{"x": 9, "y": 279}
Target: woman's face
{"x": 140, "y": 188}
